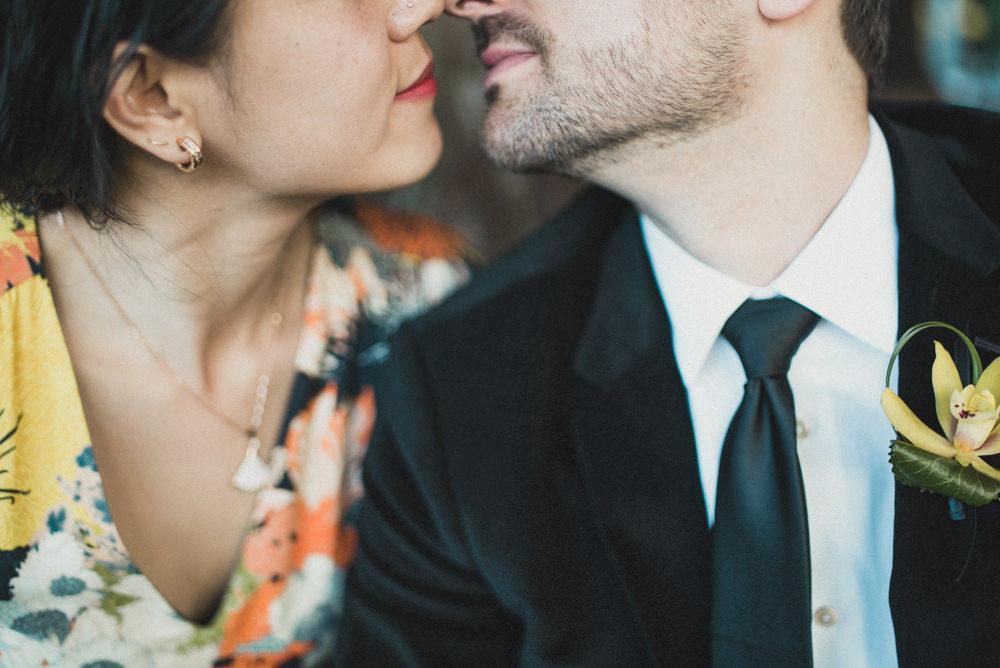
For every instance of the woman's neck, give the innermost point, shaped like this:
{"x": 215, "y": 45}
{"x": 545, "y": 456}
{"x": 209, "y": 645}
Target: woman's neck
{"x": 199, "y": 279}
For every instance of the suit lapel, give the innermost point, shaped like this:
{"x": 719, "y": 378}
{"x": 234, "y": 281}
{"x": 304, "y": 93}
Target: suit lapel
{"x": 632, "y": 428}
{"x": 949, "y": 252}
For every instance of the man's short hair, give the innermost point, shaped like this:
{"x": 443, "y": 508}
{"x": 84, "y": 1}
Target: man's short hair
{"x": 866, "y": 30}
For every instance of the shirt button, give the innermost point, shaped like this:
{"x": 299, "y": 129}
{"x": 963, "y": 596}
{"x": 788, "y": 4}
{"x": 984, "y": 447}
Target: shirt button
{"x": 825, "y": 616}
{"x": 801, "y": 429}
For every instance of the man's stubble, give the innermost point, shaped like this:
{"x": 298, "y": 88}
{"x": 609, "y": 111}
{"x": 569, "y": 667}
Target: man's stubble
{"x": 589, "y": 105}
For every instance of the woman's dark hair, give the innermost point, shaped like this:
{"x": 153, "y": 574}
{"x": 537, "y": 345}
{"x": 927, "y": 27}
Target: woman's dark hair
{"x": 56, "y": 70}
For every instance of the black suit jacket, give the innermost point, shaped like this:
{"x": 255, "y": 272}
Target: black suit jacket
{"x": 533, "y": 490}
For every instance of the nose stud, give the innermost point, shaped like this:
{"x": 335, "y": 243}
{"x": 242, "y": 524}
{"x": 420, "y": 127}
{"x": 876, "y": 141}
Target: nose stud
{"x": 399, "y": 11}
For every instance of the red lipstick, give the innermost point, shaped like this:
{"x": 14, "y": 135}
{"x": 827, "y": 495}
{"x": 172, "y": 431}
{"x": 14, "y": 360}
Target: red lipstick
{"x": 424, "y": 87}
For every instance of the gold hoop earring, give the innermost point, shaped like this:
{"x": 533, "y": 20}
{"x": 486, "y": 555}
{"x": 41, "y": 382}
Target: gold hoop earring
{"x": 197, "y": 157}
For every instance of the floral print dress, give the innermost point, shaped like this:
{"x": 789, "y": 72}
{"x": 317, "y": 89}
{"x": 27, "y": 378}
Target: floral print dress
{"x": 69, "y": 593}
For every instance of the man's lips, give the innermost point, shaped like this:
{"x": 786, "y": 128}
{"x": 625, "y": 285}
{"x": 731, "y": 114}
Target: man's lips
{"x": 425, "y": 86}
{"x": 499, "y": 59}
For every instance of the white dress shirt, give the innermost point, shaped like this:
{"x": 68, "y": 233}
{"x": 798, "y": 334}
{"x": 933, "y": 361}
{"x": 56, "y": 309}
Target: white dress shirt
{"x": 846, "y": 275}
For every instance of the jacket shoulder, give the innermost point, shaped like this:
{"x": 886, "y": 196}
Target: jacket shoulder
{"x": 975, "y": 129}
{"x": 553, "y": 262}
{"x": 968, "y": 139}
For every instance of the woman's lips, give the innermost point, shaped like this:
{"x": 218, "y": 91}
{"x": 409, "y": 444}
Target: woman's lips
{"x": 425, "y": 86}
{"x": 499, "y": 60}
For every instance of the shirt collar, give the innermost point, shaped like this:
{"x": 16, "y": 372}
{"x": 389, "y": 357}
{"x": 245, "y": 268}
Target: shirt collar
{"x": 846, "y": 273}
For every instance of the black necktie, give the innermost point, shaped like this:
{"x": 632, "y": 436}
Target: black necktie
{"x": 760, "y": 542}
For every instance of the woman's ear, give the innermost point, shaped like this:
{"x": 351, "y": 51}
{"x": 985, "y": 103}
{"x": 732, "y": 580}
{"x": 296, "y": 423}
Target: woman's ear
{"x": 140, "y": 107}
{"x": 782, "y": 10}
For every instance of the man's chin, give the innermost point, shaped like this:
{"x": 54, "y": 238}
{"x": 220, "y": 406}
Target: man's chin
{"x": 514, "y": 156}
{"x": 528, "y": 151}
{"x": 514, "y": 144}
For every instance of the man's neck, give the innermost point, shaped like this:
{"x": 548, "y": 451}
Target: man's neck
{"x": 747, "y": 196}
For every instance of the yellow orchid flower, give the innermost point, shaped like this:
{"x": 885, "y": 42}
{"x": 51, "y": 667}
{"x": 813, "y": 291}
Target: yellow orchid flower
{"x": 968, "y": 415}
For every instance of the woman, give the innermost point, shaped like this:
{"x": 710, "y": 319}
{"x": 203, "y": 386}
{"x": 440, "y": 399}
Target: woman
{"x": 186, "y": 330}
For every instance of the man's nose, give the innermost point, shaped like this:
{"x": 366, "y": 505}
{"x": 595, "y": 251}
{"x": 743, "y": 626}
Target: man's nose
{"x": 474, "y": 10}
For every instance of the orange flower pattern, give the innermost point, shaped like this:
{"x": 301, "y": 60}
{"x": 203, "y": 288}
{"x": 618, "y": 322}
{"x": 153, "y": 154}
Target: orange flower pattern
{"x": 20, "y": 256}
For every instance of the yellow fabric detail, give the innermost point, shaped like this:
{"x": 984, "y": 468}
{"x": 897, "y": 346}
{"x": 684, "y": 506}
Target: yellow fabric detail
{"x": 7, "y": 236}
{"x": 38, "y": 386}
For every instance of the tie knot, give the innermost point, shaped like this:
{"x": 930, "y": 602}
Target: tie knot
{"x": 767, "y": 333}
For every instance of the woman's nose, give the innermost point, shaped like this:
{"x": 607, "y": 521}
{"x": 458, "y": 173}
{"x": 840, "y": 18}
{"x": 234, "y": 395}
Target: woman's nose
{"x": 408, "y": 16}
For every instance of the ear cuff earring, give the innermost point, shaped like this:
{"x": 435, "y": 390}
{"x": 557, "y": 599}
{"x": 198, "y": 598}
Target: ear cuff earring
{"x": 192, "y": 149}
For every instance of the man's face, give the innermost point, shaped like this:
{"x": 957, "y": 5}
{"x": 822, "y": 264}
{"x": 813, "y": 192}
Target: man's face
{"x": 569, "y": 81}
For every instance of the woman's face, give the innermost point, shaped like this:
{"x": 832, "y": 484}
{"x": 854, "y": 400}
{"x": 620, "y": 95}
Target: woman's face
{"x": 323, "y": 97}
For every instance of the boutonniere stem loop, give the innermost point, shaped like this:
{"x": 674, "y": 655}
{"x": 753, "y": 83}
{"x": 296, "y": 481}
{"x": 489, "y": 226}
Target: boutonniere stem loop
{"x": 950, "y": 462}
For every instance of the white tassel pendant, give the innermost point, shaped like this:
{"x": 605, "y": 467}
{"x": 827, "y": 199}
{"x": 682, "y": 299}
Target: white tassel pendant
{"x": 254, "y": 473}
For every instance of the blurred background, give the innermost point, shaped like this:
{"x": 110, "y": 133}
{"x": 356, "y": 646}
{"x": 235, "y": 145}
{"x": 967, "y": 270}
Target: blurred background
{"x": 940, "y": 49}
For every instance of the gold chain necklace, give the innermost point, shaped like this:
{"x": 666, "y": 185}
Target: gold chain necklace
{"x": 254, "y": 473}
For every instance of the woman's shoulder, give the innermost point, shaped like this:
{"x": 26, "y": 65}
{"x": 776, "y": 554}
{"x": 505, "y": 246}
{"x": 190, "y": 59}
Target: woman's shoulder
{"x": 20, "y": 251}
{"x": 406, "y": 236}
{"x": 408, "y": 259}
{"x": 373, "y": 270}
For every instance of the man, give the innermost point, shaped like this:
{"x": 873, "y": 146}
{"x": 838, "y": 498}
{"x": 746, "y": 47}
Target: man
{"x": 652, "y": 434}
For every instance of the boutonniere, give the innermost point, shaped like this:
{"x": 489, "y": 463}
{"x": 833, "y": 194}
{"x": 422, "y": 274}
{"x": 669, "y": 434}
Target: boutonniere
{"x": 949, "y": 462}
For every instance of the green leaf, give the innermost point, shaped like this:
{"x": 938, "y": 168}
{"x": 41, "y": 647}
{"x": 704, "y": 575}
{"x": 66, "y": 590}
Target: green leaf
{"x": 112, "y": 602}
{"x": 204, "y": 635}
{"x": 918, "y": 468}
{"x": 108, "y": 577}
{"x": 977, "y": 362}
